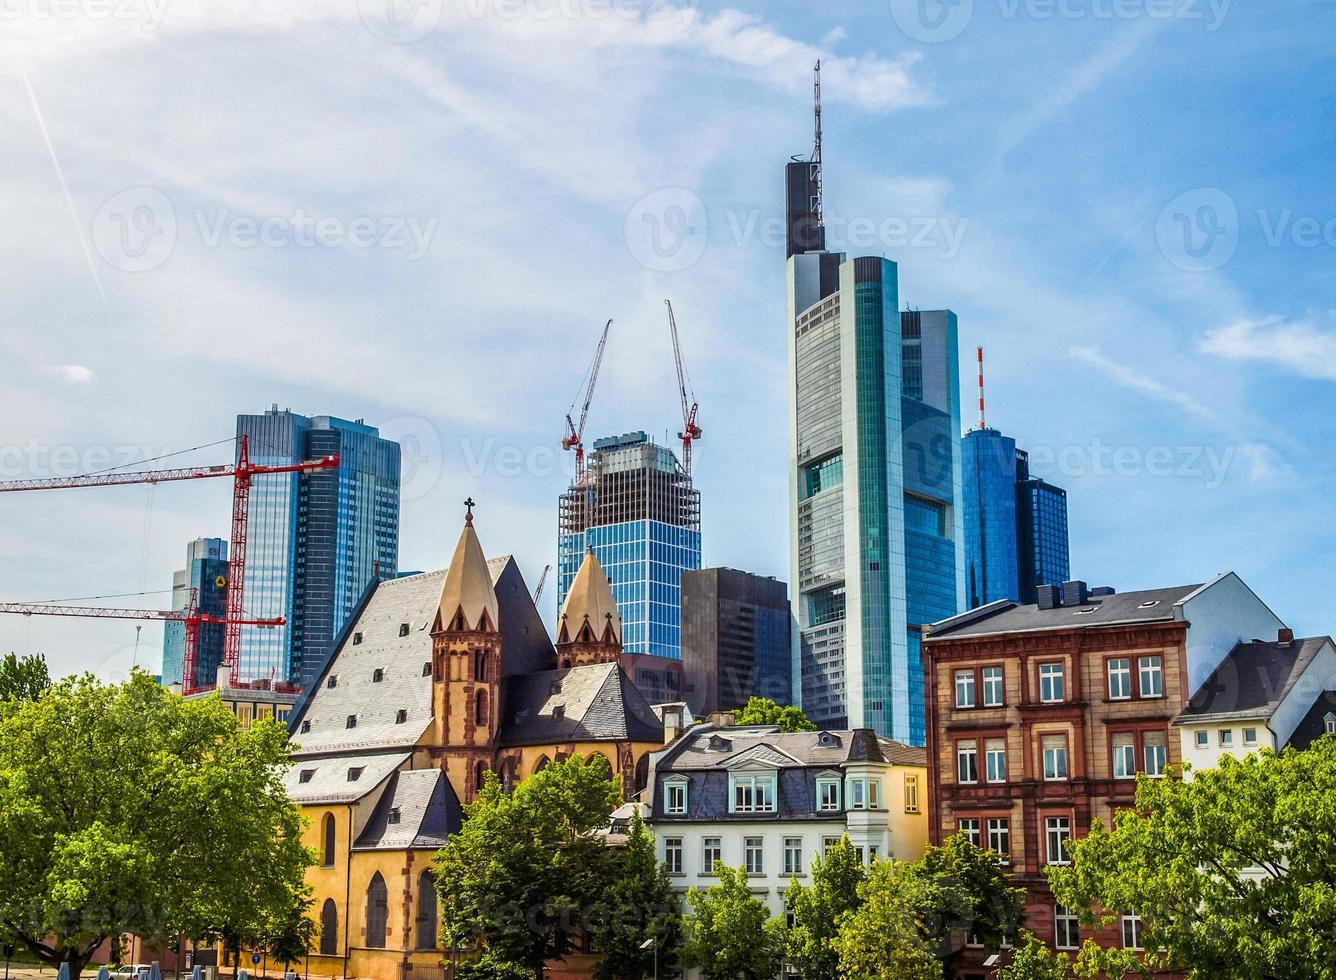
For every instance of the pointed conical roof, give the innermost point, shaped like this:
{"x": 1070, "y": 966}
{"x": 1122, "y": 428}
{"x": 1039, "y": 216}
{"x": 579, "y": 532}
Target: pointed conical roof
{"x": 468, "y": 585}
{"x": 589, "y": 598}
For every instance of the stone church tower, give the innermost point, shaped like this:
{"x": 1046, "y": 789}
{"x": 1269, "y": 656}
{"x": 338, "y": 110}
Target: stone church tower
{"x": 466, "y": 667}
{"x": 589, "y": 630}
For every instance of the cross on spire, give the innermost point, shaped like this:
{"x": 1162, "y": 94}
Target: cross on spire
{"x": 468, "y": 517}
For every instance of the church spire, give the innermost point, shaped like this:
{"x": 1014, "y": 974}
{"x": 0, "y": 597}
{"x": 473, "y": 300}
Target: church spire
{"x": 589, "y": 617}
{"x": 468, "y": 600}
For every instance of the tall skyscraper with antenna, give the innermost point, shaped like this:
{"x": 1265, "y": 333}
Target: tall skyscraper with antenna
{"x": 874, "y": 468}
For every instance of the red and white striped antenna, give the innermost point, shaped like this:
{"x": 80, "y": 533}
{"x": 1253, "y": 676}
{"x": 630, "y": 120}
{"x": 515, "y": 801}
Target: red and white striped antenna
{"x": 982, "y": 423}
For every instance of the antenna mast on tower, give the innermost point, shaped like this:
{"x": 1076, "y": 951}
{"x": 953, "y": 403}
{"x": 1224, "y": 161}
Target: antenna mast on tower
{"x": 816, "y": 146}
{"x": 982, "y": 423}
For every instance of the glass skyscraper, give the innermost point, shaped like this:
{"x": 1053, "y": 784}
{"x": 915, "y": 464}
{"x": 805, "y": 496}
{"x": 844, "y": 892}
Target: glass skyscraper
{"x": 315, "y": 540}
{"x": 1015, "y": 526}
{"x": 874, "y": 489}
{"x": 637, "y": 509}
{"x": 206, "y": 575}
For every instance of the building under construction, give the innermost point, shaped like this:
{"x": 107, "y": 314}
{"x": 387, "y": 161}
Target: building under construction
{"x": 634, "y": 505}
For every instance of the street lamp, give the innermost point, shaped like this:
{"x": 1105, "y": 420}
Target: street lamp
{"x": 653, "y": 943}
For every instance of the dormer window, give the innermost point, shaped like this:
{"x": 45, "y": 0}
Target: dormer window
{"x": 403, "y": 629}
{"x": 377, "y": 675}
{"x": 751, "y": 794}
{"x": 351, "y": 722}
{"x": 306, "y": 726}
{"x": 357, "y": 639}
{"x": 828, "y": 794}
{"x": 355, "y": 773}
{"x": 394, "y": 815}
{"x": 333, "y": 681}
{"x": 675, "y": 797}
{"x": 1329, "y": 723}
{"x": 559, "y": 711}
{"x": 401, "y": 716}
{"x": 829, "y": 741}
{"x": 305, "y": 776}
{"x": 426, "y": 669}
{"x": 718, "y": 743}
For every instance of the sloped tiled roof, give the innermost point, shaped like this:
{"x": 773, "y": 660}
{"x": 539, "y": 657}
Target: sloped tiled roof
{"x": 419, "y": 809}
{"x": 328, "y": 780}
{"x": 1154, "y": 605}
{"x": 589, "y": 600}
{"x": 1314, "y": 724}
{"x": 1252, "y": 680}
{"x": 597, "y": 702}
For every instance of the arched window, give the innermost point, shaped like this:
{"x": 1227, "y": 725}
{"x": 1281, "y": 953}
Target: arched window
{"x": 480, "y": 708}
{"x": 541, "y": 764}
{"x": 377, "y": 912}
{"x": 480, "y": 666}
{"x": 479, "y": 775}
{"x": 329, "y": 928}
{"x": 642, "y": 773}
{"x": 427, "y": 915}
{"x": 328, "y": 836}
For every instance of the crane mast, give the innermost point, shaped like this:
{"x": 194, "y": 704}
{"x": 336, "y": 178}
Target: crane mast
{"x": 575, "y": 432}
{"x": 690, "y": 430}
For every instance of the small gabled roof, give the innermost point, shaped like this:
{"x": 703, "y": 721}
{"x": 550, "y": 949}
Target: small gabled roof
{"x": 328, "y": 781}
{"x": 1314, "y": 724}
{"x": 426, "y": 808}
{"x": 1252, "y": 680}
{"x": 592, "y": 703}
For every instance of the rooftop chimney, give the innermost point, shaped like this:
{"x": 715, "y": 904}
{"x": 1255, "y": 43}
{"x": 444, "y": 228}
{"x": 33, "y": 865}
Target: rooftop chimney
{"x": 1048, "y": 597}
{"x": 1074, "y": 593}
{"x": 224, "y": 677}
{"x": 1102, "y": 590}
{"x": 1284, "y": 636}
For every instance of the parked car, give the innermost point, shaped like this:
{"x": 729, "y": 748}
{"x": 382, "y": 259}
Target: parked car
{"x": 129, "y": 971}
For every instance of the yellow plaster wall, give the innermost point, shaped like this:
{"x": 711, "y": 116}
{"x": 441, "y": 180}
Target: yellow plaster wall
{"x": 909, "y": 831}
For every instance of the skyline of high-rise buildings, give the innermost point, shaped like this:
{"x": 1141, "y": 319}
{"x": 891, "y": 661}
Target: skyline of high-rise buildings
{"x": 315, "y": 540}
{"x": 205, "y": 576}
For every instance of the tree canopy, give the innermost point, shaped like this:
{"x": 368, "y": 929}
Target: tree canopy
{"x": 124, "y": 808}
{"x": 641, "y": 908}
{"x": 1231, "y": 872}
{"x": 527, "y": 871}
{"x": 763, "y": 711}
{"x": 884, "y": 938}
{"x": 817, "y": 911}
{"x": 23, "y": 678}
{"x": 732, "y": 936}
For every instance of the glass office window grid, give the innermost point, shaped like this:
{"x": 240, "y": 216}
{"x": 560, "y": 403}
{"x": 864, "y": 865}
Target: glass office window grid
{"x": 992, "y": 563}
{"x": 206, "y": 574}
{"x": 1043, "y": 538}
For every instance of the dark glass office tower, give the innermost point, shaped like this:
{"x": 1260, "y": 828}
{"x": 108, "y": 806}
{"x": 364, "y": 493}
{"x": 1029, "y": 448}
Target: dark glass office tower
{"x": 316, "y": 540}
{"x": 1015, "y": 526}
{"x": 205, "y": 575}
{"x": 735, "y": 639}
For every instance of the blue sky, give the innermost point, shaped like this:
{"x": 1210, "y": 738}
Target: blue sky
{"x": 424, "y": 220}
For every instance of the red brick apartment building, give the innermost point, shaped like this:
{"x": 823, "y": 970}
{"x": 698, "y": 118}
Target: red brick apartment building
{"x": 1040, "y": 716}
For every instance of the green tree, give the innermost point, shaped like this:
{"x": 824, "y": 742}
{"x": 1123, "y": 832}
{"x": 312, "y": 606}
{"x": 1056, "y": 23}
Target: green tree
{"x": 525, "y": 871}
{"x": 884, "y": 938}
{"x": 126, "y": 809}
{"x": 641, "y": 907}
{"x": 1035, "y": 961}
{"x": 763, "y": 711}
{"x": 818, "y": 909}
{"x": 732, "y": 936}
{"x": 23, "y": 678}
{"x": 292, "y": 933}
{"x": 1231, "y": 873}
{"x": 989, "y": 907}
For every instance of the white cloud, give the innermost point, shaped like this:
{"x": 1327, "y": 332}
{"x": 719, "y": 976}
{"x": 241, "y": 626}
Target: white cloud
{"x": 75, "y": 373}
{"x": 1136, "y": 380}
{"x": 1299, "y": 346}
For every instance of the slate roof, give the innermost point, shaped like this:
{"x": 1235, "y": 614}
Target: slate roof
{"x": 1150, "y": 606}
{"x": 328, "y": 780}
{"x": 426, "y": 808}
{"x": 597, "y": 702}
{"x": 1314, "y": 724}
{"x": 1252, "y": 680}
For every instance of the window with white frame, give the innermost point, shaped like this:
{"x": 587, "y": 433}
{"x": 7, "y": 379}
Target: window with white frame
{"x": 995, "y": 759}
{"x": 992, "y": 687}
{"x": 1203, "y": 739}
{"x": 967, "y": 762}
{"x": 1055, "y": 756}
{"x": 1057, "y": 832}
{"x": 672, "y": 855}
{"x": 1153, "y": 753}
{"x": 753, "y": 794}
{"x": 1051, "y": 685}
{"x": 1226, "y": 737}
{"x": 675, "y": 797}
{"x": 911, "y": 794}
{"x": 1120, "y": 678}
{"x": 1132, "y": 932}
{"x": 828, "y": 793}
{"x": 969, "y": 828}
{"x": 964, "y": 689}
{"x": 1124, "y": 756}
{"x": 1150, "y": 675}
{"x": 1066, "y": 928}
{"x": 1250, "y": 736}
{"x": 829, "y": 842}
{"x": 793, "y": 855}
{"x": 864, "y": 793}
{"x": 753, "y": 855}
{"x": 999, "y": 835}
{"x": 711, "y": 852}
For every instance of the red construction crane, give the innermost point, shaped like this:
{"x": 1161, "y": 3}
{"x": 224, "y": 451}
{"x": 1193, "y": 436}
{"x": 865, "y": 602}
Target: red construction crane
{"x": 690, "y": 430}
{"x": 190, "y": 616}
{"x": 242, "y": 473}
{"x": 574, "y": 432}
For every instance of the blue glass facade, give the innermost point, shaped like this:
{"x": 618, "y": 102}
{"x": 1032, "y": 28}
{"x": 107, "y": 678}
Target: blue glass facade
{"x": 638, "y": 512}
{"x": 1015, "y": 527}
{"x": 315, "y": 540}
{"x": 206, "y": 575}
